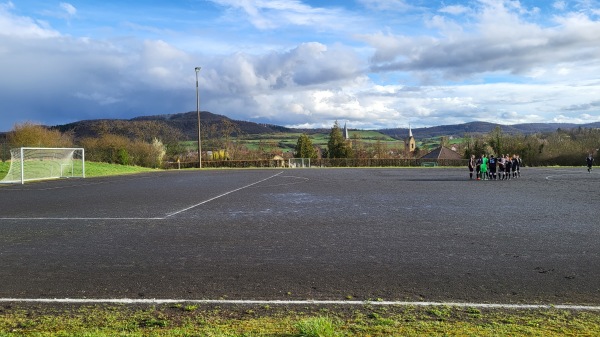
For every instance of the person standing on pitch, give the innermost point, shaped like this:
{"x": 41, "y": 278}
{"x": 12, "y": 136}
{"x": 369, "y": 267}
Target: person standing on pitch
{"x": 507, "y": 167}
{"x": 515, "y": 165}
{"x": 471, "y": 166}
{"x": 590, "y": 162}
{"x": 492, "y": 167}
{"x": 484, "y": 167}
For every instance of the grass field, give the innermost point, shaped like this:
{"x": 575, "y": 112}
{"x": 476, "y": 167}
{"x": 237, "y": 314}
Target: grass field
{"x": 190, "y": 320}
{"x": 4, "y": 168}
{"x": 287, "y": 141}
{"x": 93, "y": 169}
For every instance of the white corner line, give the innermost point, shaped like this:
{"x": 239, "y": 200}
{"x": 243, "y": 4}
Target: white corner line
{"x": 301, "y": 302}
{"x": 220, "y": 196}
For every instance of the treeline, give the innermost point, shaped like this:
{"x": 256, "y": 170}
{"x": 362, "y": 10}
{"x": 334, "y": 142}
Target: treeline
{"x": 148, "y": 143}
{"x": 568, "y": 147}
{"x": 564, "y": 147}
{"x": 104, "y": 147}
{"x": 152, "y": 143}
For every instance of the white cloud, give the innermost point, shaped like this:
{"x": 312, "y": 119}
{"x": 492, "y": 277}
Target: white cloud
{"x": 560, "y": 5}
{"x": 65, "y": 11}
{"x": 387, "y": 5}
{"x": 68, "y": 8}
{"x": 454, "y": 9}
{"x": 265, "y": 14}
{"x": 22, "y": 27}
{"x": 489, "y": 60}
{"x": 499, "y": 41}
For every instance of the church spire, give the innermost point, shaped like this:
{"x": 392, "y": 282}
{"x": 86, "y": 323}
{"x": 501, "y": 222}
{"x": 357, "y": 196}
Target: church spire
{"x": 409, "y": 143}
{"x": 346, "y": 136}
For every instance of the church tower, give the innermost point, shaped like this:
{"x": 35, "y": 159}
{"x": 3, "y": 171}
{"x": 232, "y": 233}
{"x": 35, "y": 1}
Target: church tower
{"x": 409, "y": 143}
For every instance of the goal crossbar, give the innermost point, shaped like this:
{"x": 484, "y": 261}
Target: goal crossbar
{"x": 40, "y": 163}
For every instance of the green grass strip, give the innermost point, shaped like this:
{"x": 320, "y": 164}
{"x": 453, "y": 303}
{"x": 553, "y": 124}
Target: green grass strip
{"x": 190, "y": 320}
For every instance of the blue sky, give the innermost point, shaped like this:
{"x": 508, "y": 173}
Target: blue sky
{"x": 372, "y": 63}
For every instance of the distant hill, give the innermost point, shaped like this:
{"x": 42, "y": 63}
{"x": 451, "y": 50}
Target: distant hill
{"x": 186, "y": 124}
{"x": 459, "y": 130}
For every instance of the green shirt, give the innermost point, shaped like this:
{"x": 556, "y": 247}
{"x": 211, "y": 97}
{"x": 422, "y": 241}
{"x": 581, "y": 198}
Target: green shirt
{"x": 484, "y": 163}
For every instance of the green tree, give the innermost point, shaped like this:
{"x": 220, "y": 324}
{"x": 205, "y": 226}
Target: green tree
{"x": 444, "y": 141}
{"x": 337, "y": 147}
{"x": 305, "y": 148}
{"x": 380, "y": 150}
{"x": 359, "y": 147}
{"x": 497, "y": 140}
{"x": 473, "y": 146}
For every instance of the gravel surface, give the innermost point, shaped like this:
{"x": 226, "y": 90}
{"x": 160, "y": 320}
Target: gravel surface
{"x": 394, "y": 234}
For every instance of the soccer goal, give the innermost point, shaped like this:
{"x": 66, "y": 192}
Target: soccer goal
{"x": 299, "y": 162}
{"x": 40, "y": 163}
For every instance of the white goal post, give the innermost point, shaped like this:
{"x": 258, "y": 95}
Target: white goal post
{"x": 299, "y": 162}
{"x": 40, "y": 163}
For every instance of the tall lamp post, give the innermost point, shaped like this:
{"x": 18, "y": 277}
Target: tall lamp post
{"x": 198, "y": 112}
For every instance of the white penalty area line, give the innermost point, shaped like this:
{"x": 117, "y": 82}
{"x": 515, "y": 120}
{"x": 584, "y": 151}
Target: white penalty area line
{"x": 220, "y": 196}
{"x": 301, "y": 302}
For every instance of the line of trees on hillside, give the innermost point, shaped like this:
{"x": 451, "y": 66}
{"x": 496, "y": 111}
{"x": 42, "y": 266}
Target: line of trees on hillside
{"x": 141, "y": 143}
{"x": 151, "y": 144}
{"x": 340, "y": 148}
{"x": 105, "y": 147}
{"x": 562, "y": 147}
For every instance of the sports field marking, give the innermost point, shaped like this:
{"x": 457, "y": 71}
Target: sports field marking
{"x": 220, "y": 196}
{"x": 300, "y": 302}
{"x": 150, "y": 218}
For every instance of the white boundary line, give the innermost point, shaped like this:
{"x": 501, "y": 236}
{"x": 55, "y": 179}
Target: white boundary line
{"x": 300, "y": 302}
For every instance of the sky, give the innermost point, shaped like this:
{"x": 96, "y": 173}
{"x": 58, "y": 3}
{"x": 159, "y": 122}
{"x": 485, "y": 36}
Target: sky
{"x": 302, "y": 63}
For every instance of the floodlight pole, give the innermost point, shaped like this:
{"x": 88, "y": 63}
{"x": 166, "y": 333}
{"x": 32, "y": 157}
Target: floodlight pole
{"x": 198, "y": 112}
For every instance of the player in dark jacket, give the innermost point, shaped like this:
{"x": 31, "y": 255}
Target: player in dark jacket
{"x": 590, "y": 162}
{"x": 507, "y": 167}
{"x": 492, "y": 167}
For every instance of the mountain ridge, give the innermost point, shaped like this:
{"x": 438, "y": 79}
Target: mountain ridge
{"x": 187, "y": 123}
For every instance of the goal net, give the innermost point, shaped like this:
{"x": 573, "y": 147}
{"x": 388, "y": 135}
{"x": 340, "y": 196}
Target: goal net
{"x": 299, "y": 162}
{"x": 38, "y": 163}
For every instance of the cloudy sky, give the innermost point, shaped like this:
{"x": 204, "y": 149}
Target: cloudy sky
{"x": 302, "y": 63}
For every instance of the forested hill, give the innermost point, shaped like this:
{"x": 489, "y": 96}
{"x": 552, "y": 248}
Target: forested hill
{"x": 188, "y": 123}
{"x": 185, "y": 125}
